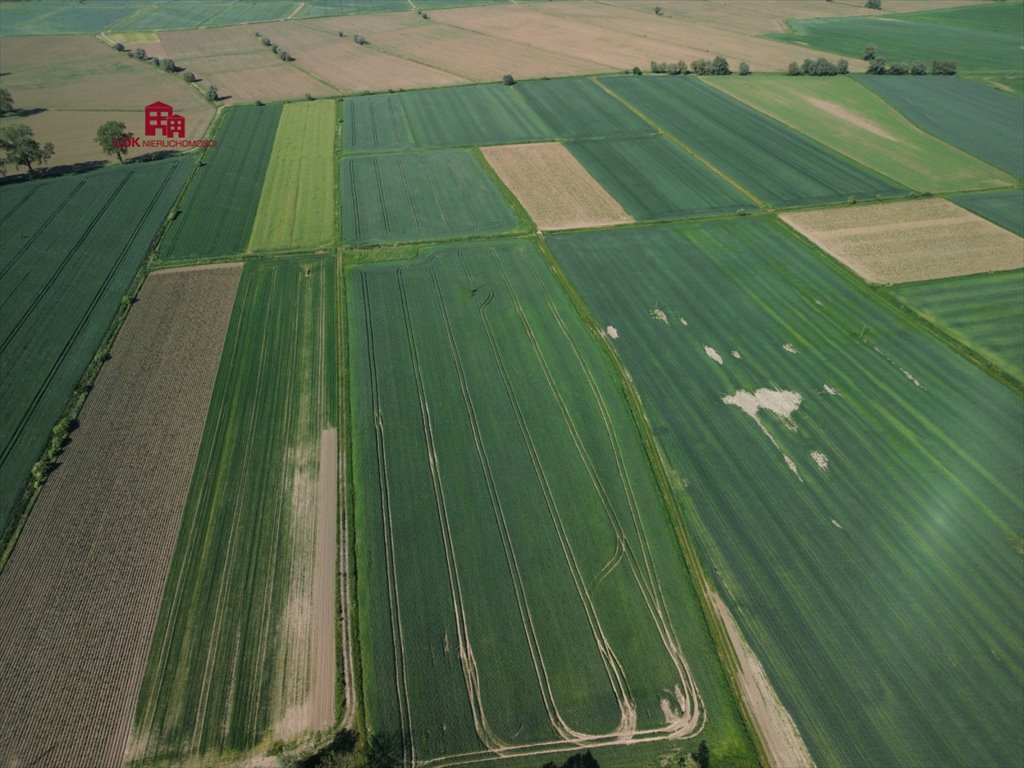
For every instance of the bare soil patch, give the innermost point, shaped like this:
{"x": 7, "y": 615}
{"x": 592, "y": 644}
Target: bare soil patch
{"x": 775, "y": 727}
{"x": 553, "y": 187}
{"x": 850, "y": 117}
{"x": 246, "y": 77}
{"x": 910, "y": 240}
{"x": 80, "y": 594}
{"x": 323, "y": 671}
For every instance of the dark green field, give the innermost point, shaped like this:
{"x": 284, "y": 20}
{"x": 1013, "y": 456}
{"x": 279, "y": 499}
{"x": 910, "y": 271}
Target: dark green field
{"x": 578, "y": 108}
{"x": 220, "y": 205}
{"x": 1005, "y": 207}
{"x": 520, "y": 577}
{"x": 421, "y": 196}
{"x": 983, "y": 312}
{"x": 986, "y": 122}
{"x": 982, "y": 38}
{"x": 868, "y": 539}
{"x": 226, "y": 661}
{"x": 770, "y": 160}
{"x": 71, "y": 248}
{"x": 654, "y": 178}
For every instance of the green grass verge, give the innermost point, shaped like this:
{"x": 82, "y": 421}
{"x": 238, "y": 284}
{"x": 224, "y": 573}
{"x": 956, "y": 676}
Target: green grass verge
{"x": 226, "y": 663}
{"x": 878, "y": 592}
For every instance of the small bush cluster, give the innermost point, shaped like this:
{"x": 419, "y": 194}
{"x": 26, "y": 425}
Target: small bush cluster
{"x": 820, "y": 67}
{"x": 670, "y": 68}
{"x": 360, "y": 40}
{"x": 875, "y": 5}
{"x": 422, "y": 14}
{"x": 508, "y": 80}
{"x": 717, "y": 66}
{"x": 878, "y": 67}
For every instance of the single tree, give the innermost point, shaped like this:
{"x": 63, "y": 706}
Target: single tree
{"x": 703, "y": 755}
{"x": 211, "y": 93}
{"x": 719, "y": 66}
{"x": 6, "y": 101}
{"x": 637, "y": 71}
{"x": 794, "y": 68}
{"x": 943, "y": 67}
{"x": 919, "y": 68}
{"x": 744, "y": 68}
{"x": 156, "y": 61}
{"x": 899, "y": 68}
{"x": 360, "y": 40}
{"x": 340, "y": 33}
{"x": 875, "y": 5}
{"x": 700, "y": 67}
{"x": 508, "y": 80}
{"x": 169, "y": 65}
{"x": 188, "y": 76}
{"x": 119, "y": 47}
{"x": 869, "y": 52}
{"x": 675, "y": 68}
{"x": 111, "y": 138}
{"x": 20, "y": 147}
{"x": 266, "y": 41}
{"x": 283, "y": 56}
{"x": 842, "y": 67}
{"x": 876, "y": 67}
{"x": 657, "y": 10}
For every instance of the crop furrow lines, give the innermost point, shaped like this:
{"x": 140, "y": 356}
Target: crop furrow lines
{"x": 394, "y": 604}
{"x": 437, "y": 197}
{"x": 408, "y": 193}
{"x": 10, "y": 211}
{"x": 470, "y": 206}
{"x": 380, "y": 194}
{"x": 39, "y": 230}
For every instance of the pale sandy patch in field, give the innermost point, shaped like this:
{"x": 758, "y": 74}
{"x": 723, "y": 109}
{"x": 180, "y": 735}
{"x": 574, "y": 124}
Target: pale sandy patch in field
{"x": 80, "y": 594}
{"x": 778, "y": 733}
{"x": 820, "y": 459}
{"x": 838, "y": 110}
{"x": 713, "y": 354}
{"x": 553, "y": 187}
{"x": 910, "y": 240}
{"x": 612, "y": 331}
{"x": 323, "y": 669}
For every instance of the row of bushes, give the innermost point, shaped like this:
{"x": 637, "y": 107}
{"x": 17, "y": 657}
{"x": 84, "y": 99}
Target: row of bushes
{"x": 282, "y": 54}
{"x": 717, "y": 66}
{"x": 878, "y": 67}
{"x": 820, "y": 67}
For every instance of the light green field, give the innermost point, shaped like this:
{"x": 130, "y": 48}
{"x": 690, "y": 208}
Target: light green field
{"x": 983, "y": 312}
{"x": 297, "y": 205}
{"x": 868, "y": 539}
{"x": 521, "y": 583}
{"x": 229, "y": 666}
{"x": 851, "y": 119}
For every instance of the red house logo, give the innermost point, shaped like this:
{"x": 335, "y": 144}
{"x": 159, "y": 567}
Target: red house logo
{"x": 160, "y": 117}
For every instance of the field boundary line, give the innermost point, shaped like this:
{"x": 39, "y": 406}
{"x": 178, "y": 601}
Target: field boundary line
{"x": 679, "y": 142}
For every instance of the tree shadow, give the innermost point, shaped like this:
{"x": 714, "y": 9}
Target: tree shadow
{"x": 56, "y": 170}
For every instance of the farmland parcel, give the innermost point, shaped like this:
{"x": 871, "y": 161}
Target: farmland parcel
{"x": 80, "y": 594}
{"x": 522, "y": 589}
{"x": 296, "y": 208}
{"x": 853, "y": 120}
{"x": 853, "y": 485}
{"x": 768, "y": 159}
{"x": 983, "y": 312}
{"x": 72, "y": 246}
{"x": 1003, "y": 206}
{"x": 421, "y": 196}
{"x": 220, "y": 204}
{"x": 910, "y": 240}
{"x": 240, "y": 655}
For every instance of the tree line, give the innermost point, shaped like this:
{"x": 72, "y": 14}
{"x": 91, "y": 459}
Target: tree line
{"x": 717, "y": 66}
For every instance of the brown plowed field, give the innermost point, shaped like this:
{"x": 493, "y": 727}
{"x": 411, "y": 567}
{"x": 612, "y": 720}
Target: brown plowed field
{"x": 80, "y": 593}
{"x": 553, "y": 187}
{"x": 910, "y": 240}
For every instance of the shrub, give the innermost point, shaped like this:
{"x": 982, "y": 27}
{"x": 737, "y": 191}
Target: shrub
{"x": 360, "y": 40}
{"x": 156, "y": 62}
{"x": 266, "y": 41}
{"x": 169, "y": 65}
{"x": 744, "y": 68}
{"x": 875, "y": 5}
{"x": 675, "y": 68}
{"x": 139, "y": 53}
{"x": 919, "y": 68}
{"x": 876, "y": 67}
{"x": 119, "y": 47}
{"x": 188, "y": 77}
{"x": 842, "y": 67}
{"x": 657, "y": 68}
{"x": 869, "y": 52}
{"x": 637, "y": 71}
{"x": 700, "y": 67}
{"x": 275, "y": 49}
{"x": 719, "y": 66}
{"x": 657, "y": 10}
{"x": 258, "y": 103}
{"x": 340, "y": 33}
{"x": 899, "y": 68}
{"x": 943, "y": 67}
{"x": 508, "y": 80}
{"x": 309, "y": 97}
{"x": 284, "y": 56}
{"x": 211, "y": 93}
{"x": 794, "y": 68}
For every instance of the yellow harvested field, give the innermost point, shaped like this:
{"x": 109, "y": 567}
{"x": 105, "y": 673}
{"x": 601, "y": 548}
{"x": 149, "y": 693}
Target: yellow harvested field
{"x": 911, "y": 240}
{"x": 553, "y": 187}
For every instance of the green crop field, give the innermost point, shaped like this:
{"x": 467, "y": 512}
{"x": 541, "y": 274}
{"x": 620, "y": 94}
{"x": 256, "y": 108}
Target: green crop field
{"x": 521, "y": 583}
{"x": 421, "y": 196}
{"x": 179, "y": 14}
{"x": 653, "y": 178}
{"x": 578, "y": 108}
{"x": 983, "y": 312}
{"x": 60, "y": 18}
{"x": 1005, "y": 207}
{"x": 770, "y": 160}
{"x": 225, "y": 664}
{"x": 983, "y": 38}
{"x": 852, "y": 484}
{"x": 220, "y": 204}
{"x": 71, "y": 248}
{"x": 297, "y": 206}
{"x": 986, "y": 122}
{"x": 249, "y": 12}
{"x": 850, "y": 118}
